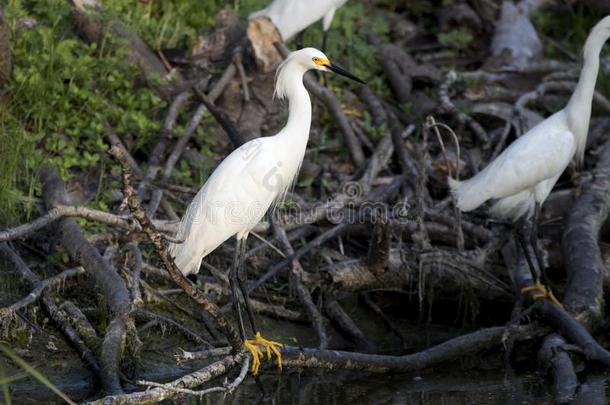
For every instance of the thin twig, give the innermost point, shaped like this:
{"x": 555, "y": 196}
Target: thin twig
{"x": 40, "y": 287}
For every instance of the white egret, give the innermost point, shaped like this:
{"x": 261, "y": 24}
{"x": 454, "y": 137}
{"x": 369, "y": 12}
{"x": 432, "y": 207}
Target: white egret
{"x": 247, "y": 183}
{"x": 521, "y": 178}
{"x": 293, "y": 16}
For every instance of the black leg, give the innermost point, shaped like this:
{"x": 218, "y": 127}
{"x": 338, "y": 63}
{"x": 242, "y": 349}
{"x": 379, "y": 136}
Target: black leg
{"x": 234, "y": 283}
{"x": 299, "y": 40}
{"x": 534, "y": 243}
{"x": 523, "y": 236}
{"x": 324, "y": 41}
{"x": 241, "y": 281}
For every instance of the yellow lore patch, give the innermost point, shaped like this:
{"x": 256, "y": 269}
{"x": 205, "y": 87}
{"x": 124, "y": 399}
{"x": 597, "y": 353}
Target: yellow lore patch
{"x": 320, "y": 61}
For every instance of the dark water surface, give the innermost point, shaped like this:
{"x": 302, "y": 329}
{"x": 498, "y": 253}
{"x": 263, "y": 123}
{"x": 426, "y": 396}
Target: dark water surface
{"x": 445, "y": 388}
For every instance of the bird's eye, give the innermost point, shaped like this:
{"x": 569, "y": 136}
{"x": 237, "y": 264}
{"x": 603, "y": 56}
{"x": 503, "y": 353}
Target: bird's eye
{"x": 315, "y": 59}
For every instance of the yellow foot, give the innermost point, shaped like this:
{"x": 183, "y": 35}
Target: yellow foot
{"x": 270, "y": 347}
{"x": 543, "y": 293}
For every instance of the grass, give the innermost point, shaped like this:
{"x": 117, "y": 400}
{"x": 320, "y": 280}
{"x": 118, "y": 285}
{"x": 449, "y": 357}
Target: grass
{"x": 27, "y": 368}
{"x": 62, "y": 88}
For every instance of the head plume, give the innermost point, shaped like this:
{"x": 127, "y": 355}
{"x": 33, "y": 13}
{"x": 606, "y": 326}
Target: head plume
{"x": 295, "y": 65}
{"x": 281, "y": 79}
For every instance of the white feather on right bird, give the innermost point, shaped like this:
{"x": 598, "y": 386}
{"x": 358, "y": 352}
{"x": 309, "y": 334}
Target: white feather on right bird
{"x": 522, "y": 176}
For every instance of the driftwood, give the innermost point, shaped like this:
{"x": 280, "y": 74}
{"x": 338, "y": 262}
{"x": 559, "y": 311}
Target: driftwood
{"x": 557, "y": 361}
{"x": 584, "y": 265}
{"x": 159, "y": 394}
{"x": 107, "y": 280}
{"x": 304, "y": 296}
{"x": 13, "y": 260}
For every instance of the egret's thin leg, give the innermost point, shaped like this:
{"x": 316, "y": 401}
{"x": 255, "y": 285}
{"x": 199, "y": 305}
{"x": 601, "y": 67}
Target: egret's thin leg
{"x": 522, "y": 234}
{"x": 324, "y": 41}
{"x": 234, "y": 283}
{"x": 299, "y": 40}
{"x": 241, "y": 279}
{"x": 534, "y": 243}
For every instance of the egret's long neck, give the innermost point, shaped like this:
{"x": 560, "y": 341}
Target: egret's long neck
{"x": 579, "y": 107}
{"x": 299, "y": 106}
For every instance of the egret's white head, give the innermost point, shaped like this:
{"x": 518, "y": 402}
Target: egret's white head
{"x": 299, "y": 62}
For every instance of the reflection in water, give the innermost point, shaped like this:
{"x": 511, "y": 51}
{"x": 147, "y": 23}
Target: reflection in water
{"x": 456, "y": 388}
{"x": 342, "y": 388}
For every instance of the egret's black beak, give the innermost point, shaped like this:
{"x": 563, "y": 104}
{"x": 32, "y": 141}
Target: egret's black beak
{"x": 343, "y": 72}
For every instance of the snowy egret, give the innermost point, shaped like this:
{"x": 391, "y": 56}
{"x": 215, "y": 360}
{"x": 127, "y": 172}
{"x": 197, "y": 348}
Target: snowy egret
{"x": 521, "y": 178}
{"x": 293, "y": 16}
{"x": 246, "y": 184}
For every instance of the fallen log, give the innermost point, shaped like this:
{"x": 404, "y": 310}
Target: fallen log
{"x": 107, "y": 280}
{"x": 582, "y": 256}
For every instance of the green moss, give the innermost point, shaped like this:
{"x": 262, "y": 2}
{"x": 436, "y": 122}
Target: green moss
{"x": 458, "y": 38}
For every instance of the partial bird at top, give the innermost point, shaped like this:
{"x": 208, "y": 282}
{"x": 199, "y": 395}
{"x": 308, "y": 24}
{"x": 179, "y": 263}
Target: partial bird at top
{"x": 521, "y": 178}
{"x": 293, "y": 16}
{"x": 247, "y": 183}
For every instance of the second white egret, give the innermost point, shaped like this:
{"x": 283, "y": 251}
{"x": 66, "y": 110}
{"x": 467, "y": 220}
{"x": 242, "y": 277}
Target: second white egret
{"x": 293, "y": 16}
{"x": 521, "y": 177}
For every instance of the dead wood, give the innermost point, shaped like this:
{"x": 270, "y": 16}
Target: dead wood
{"x": 553, "y": 315}
{"x": 38, "y": 290}
{"x": 217, "y": 46}
{"x": 236, "y": 138}
{"x": 302, "y": 292}
{"x": 397, "y": 65}
{"x": 191, "y": 380}
{"x": 466, "y": 345}
{"x": 107, "y": 280}
{"x": 447, "y": 106}
{"x": 553, "y": 356}
{"x": 13, "y": 260}
{"x": 455, "y": 273}
{"x": 346, "y": 324}
{"x": 263, "y": 34}
{"x": 317, "y": 242}
{"x": 185, "y": 331}
{"x": 582, "y": 255}
{"x": 60, "y": 211}
{"x": 379, "y": 249}
{"x": 82, "y": 325}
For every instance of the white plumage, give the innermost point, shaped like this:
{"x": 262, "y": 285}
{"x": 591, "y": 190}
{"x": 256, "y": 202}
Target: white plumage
{"x": 293, "y": 16}
{"x": 248, "y": 181}
{"x": 524, "y": 174}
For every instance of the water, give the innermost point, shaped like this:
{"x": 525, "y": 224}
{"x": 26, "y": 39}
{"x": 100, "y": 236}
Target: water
{"x": 446, "y": 387}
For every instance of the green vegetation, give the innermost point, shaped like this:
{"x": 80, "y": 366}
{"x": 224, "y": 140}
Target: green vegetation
{"x": 459, "y": 38}
{"x": 56, "y": 101}
{"x": 63, "y": 90}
